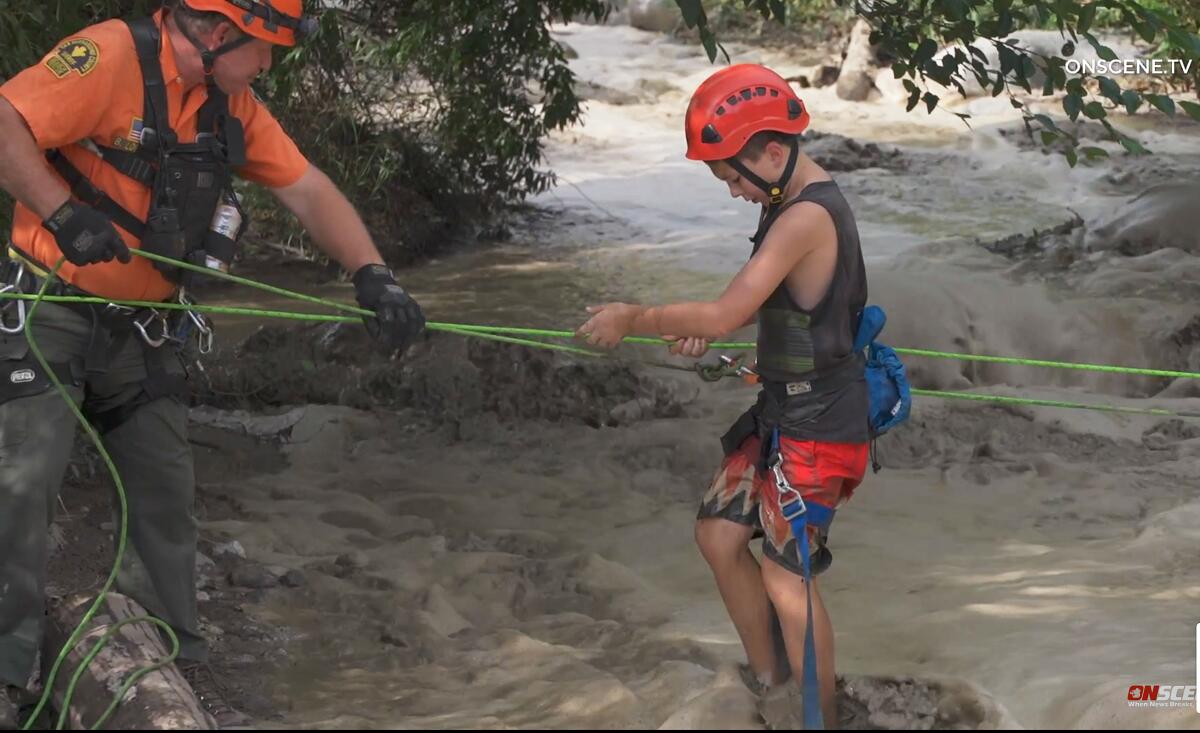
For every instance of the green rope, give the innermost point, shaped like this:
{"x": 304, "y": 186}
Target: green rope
{"x": 254, "y": 284}
{"x": 549, "y": 333}
{"x": 970, "y": 396}
{"x": 742, "y": 345}
{"x": 1054, "y": 403}
{"x": 1052, "y": 364}
{"x": 503, "y": 334}
{"x": 226, "y": 310}
{"x": 77, "y": 634}
{"x": 519, "y": 341}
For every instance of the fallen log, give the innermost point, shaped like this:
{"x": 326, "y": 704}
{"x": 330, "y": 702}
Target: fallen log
{"x": 159, "y": 700}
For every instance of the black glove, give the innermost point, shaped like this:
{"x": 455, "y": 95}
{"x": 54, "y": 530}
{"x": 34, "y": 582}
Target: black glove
{"x": 398, "y": 319}
{"x": 84, "y": 235}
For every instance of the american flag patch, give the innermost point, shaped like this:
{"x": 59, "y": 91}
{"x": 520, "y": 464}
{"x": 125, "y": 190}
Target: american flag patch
{"x": 135, "y": 130}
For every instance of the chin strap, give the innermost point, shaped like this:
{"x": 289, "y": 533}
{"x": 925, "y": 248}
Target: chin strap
{"x": 773, "y": 190}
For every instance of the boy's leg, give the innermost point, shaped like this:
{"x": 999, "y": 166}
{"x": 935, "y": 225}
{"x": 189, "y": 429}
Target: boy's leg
{"x": 786, "y": 590}
{"x": 725, "y": 546}
{"x": 727, "y": 521}
{"x": 824, "y": 474}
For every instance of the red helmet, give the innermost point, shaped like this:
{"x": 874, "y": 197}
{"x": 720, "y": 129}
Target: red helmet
{"x": 735, "y": 103}
{"x": 281, "y": 22}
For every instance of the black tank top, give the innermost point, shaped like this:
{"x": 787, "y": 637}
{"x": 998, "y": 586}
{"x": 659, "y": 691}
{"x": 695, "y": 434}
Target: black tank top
{"x": 814, "y": 384}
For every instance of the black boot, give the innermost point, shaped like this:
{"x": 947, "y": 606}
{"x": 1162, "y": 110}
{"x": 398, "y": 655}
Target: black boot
{"x": 212, "y": 695}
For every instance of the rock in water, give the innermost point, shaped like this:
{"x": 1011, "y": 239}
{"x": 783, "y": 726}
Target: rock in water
{"x": 660, "y": 16}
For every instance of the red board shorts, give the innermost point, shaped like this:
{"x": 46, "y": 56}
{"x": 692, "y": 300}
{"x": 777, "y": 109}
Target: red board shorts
{"x": 824, "y": 473}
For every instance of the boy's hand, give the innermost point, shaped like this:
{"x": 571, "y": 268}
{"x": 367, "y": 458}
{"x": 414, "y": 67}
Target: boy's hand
{"x": 692, "y": 346}
{"x": 609, "y": 324}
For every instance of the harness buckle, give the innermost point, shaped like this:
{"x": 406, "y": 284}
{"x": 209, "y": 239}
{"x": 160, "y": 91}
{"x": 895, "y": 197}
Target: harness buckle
{"x": 14, "y": 287}
{"x": 203, "y": 326}
{"x": 112, "y": 309}
{"x": 205, "y": 340}
{"x": 791, "y": 504}
{"x": 140, "y": 324}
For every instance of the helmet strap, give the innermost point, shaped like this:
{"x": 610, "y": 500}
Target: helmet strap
{"x": 773, "y": 190}
{"x": 209, "y": 56}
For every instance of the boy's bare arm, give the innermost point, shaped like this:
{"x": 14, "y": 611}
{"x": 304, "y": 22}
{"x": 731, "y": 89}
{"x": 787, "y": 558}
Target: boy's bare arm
{"x": 802, "y": 229}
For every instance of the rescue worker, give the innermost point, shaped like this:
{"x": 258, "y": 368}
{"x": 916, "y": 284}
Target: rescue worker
{"x": 126, "y": 136}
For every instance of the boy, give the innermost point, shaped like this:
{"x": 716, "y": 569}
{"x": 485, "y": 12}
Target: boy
{"x": 805, "y": 285}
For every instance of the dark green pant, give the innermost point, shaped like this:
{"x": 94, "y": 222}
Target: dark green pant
{"x": 151, "y": 452}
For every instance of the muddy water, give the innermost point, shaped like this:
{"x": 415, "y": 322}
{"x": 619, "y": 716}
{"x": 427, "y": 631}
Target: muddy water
{"x": 543, "y": 575}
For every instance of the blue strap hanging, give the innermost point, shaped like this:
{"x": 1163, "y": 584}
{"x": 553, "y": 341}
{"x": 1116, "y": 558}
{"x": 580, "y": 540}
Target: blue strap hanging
{"x": 799, "y": 515}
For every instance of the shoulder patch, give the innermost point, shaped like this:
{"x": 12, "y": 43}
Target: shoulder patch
{"x": 78, "y": 54}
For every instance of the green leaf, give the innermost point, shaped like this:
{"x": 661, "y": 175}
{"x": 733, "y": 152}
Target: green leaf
{"x": 1192, "y": 109}
{"x": 931, "y": 101}
{"x": 710, "y": 44}
{"x": 1028, "y": 69}
{"x": 1184, "y": 41}
{"x": 1093, "y": 110}
{"x": 1094, "y": 152}
{"x": 779, "y": 10}
{"x": 899, "y": 68}
{"x": 1132, "y": 101}
{"x": 913, "y": 100}
{"x": 1048, "y": 137}
{"x": 1086, "y": 16}
{"x": 1046, "y": 121}
{"x": 1110, "y": 89}
{"x": 1004, "y": 25}
{"x": 937, "y": 73}
{"x": 1145, "y": 30}
{"x": 998, "y": 86}
{"x": 925, "y": 51}
{"x": 692, "y": 11}
{"x": 1164, "y": 103}
{"x": 956, "y": 9}
{"x": 1016, "y": 103}
{"x": 1072, "y": 156}
{"x": 1073, "y": 105}
{"x": 1133, "y": 146}
{"x": 981, "y": 73}
{"x": 1008, "y": 58}
{"x": 1102, "y": 51}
